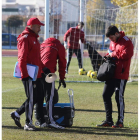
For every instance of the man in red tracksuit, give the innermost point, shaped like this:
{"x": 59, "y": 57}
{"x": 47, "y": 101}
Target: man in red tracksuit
{"x": 29, "y": 53}
{"x": 121, "y": 50}
{"x": 74, "y": 34}
{"x": 52, "y": 51}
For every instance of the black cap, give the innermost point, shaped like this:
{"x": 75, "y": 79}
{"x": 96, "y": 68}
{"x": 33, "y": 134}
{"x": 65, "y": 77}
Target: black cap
{"x": 81, "y": 23}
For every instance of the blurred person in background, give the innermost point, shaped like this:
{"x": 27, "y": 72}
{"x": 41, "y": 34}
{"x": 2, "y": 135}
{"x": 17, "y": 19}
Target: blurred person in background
{"x": 73, "y": 35}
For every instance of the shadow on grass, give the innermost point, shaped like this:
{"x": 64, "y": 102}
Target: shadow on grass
{"x": 9, "y": 108}
{"x": 11, "y": 127}
{"x": 88, "y": 110}
{"x": 87, "y": 130}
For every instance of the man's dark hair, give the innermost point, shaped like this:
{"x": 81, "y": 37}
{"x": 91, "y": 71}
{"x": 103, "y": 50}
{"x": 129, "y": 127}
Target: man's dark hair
{"x": 111, "y": 30}
{"x": 81, "y": 23}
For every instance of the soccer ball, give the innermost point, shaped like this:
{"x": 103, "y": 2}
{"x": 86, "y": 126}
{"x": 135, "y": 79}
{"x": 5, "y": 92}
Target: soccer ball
{"x": 93, "y": 75}
{"x": 82, "y": 71}
{"x": 89, "y": 72}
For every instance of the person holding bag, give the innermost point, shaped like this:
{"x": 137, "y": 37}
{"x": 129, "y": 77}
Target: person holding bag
{"x": 121, "y": 50}
{"x": 106, "y": 70}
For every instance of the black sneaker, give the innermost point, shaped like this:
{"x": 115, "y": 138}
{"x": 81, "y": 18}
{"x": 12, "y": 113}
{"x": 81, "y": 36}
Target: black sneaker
{"x": 118, "y": 125}
{"x": 16, "y": 119}
{"x": 105, "y": 124}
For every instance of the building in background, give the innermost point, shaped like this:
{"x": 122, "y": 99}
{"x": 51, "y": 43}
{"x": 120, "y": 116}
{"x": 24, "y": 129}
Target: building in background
{"x": 25, "y": 8}
{"x": 63, "y": 14}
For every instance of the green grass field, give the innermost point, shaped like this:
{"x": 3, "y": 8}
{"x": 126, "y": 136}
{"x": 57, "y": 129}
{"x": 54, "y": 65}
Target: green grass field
{"x": 89, "y": 111}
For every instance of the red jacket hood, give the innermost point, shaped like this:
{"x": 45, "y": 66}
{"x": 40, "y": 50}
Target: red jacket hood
{"x": 122, "y": 35}
{"x": 27, "y": 31}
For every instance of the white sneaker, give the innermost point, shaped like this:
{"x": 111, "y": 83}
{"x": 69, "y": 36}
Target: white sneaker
{"x": 54, "y": 125}
{"x": 29, "y": 127}
{"x": 43, "y": 125}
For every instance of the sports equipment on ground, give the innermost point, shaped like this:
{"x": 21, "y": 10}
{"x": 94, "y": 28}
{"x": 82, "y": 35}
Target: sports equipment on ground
{"x": 82, "y": 71}
{"x": 105, "y": 124}
{"x": 93, "y": 75}
{"x": 63, "y": 113}
{"x": 16, "y": 119}
{"x": 89, "y": 72}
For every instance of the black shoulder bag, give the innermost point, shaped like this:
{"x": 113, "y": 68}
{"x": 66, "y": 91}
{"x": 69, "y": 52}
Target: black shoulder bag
{"x": 106, "y": 70}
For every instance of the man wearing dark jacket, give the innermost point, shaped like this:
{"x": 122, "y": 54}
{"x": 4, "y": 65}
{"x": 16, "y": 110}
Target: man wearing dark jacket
{"x": 29, "y": 53}
{"x": 121, "y": 50}
{"x": 74, "y": 34}
{"x": 52, "y": 51}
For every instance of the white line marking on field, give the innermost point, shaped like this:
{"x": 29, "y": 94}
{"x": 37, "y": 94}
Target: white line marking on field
{"x": 11, "y": 89}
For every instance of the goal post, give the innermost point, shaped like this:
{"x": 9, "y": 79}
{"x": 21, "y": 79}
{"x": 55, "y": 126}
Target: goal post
{"x": 81, "y": 20}
{"x": 46, "y": 33}
{"x": 65, "y": 14}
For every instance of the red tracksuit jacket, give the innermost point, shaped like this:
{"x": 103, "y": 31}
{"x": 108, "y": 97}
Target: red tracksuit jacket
{"x": 52, "y": 50}
{"x": 28, "y": 51}
{"x": 74, "y": 35}
{"x": 122, "y": 52}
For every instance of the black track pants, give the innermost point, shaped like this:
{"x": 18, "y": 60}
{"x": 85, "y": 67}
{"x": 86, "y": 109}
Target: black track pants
{"x": 49, "y": 96}
{"x": 69, "y": 56}
{"x": 34, "y": 94}
{"x": 117, "y": 86}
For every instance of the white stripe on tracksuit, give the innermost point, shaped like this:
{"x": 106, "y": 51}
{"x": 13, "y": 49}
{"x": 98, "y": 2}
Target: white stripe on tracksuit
{"x": 51, "y": 103}
{"x": 30, "y": 101}
{"x": 121, "y": 100}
